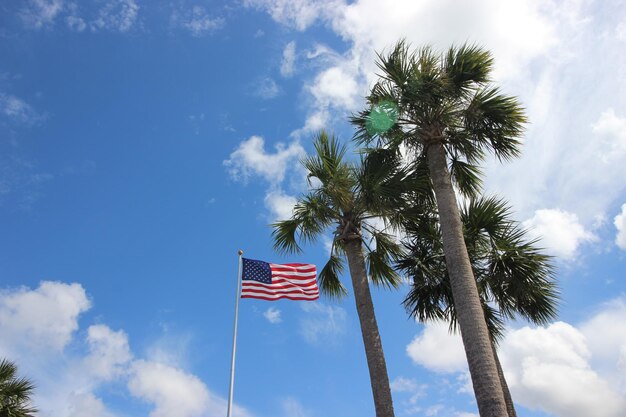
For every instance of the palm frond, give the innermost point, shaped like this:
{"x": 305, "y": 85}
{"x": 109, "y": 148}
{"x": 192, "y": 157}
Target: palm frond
{"x": 329, "y": 281}
{"x": 495, "y": 122}
{"x": 380, "y": 260}
{"x": 466, "y": 66}
{"x": 284, "y": 236}
{"x": 466, "y": 176}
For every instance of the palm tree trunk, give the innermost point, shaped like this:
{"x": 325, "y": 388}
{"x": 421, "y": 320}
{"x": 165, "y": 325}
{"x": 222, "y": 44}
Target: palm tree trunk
{"x": 369, "y": 330}
{"x": 476, "y": 340}
{"x": 510, "y": 406}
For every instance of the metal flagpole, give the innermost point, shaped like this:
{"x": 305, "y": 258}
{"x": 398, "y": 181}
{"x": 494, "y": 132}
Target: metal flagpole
{"x": 232, "y": 360}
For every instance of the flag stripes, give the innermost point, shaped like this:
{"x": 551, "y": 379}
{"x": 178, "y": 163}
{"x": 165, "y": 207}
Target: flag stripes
{"x": 267, "y": 281}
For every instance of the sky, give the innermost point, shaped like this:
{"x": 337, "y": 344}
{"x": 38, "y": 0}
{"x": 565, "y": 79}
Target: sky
{"x": 143, "y": 143}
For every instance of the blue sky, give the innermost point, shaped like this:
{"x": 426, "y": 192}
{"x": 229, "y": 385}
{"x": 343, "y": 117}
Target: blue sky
{"x": 143, "y": 143}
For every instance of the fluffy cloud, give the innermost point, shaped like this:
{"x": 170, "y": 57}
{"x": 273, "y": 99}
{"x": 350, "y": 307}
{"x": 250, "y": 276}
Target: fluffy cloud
{"x": 272, "y": 315}
{"x": 289, "y": 59}
{"x": 251, "y": 158}
{"x": 279, "y": 204}
{"x": 173, "y": 392}
{"x": 323, "y": 324}
{"x": 44, "y": 318}
{"x": 559, "y": 231}
{"x": 437, "y": 349}
{"x": 109, "y": 351}
{"x": 39, "y": 324}
{"x": 542, "y": 49}
{"x": 620, "y": 225}
{"x": 87, "y": 405}
{"x": 561, "y": 369}
{"x": 548, "y": 368}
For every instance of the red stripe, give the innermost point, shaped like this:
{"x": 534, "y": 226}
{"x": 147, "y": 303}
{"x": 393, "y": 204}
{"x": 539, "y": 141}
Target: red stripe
{"x": 293, "y": 279}
{"x": 294, "y": 265}
{"x": 306, "y": 268}
{"x": 281, "y": 297}
{"x": 279, "y": 292}
{"x": 279, "y": 286}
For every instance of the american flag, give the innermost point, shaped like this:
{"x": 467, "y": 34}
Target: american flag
{"x": 271, "y": 282}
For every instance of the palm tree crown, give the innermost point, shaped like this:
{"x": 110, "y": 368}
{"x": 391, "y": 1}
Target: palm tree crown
{"x": 349, "y": 198}
{"x": 448, "y": 116}
{"x": 514, "y": 277}
{"x": 15, "y": 392}
{"x": 446, "y": 99}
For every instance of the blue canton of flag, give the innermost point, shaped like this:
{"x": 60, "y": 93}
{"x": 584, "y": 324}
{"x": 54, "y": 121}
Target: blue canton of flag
{"x": 257, "y": 271}
{"x": 268, "y": 281}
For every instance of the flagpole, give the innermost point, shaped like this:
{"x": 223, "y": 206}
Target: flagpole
{"x": 232, "y": 360}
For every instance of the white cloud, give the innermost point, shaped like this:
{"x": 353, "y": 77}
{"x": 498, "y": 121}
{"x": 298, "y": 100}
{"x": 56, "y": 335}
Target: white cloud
{"x": 289, "y": 59}
{"x": 620, "y": 31}
{"x": 335, "y": 86}
{"x": 279, "y": 204}
{"x": 37, "y": 327}
{"x": 402, "y": 384}
{"x": 272, "y": 315}
{"x": 87, "y": 405}
{"x": 293, "y": 408}
{"x": 605, "y": 333}
{"x": 109, "y": 351}
{"x": 560, "y": 232}
{"x": 548, "y": 368}
{"x": 437, "y": 349}
{"x": 267, "y": 88}
{"x": 561, "y": 369}
{"x": 322, "y": 324}
{"x": 173, "y": 392}
{"x": 44, "y": 318}
{"x": 18, "y": 110}
{"x": 314, "y": 123}
{"x": 250, "y": 158}
{"x": 299, "y": 14}
{"x": 41, "y": 13}
{"x": 541, "y": 50}
{"x": 620, "y": 224}
{"x": 116, "y": 16}
{"x": 76, "y": 23}
{"x": 197, "y": 21}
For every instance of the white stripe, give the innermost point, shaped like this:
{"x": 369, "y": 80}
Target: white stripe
{"x": 280, "y": 290}
{"x": 258, "y": 294}
{"x": 295, "y": 281}
{"x": 295, "y": 274}
{"x": 305, "y": 266}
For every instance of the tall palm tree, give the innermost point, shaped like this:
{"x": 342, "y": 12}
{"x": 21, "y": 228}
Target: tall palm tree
{"x": 449, "y": 116}
{"x": 349, "y": 198}
{"x": 514, "y": 277}
{"x": 15, "y": 392}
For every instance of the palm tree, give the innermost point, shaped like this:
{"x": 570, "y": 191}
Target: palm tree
{"x": 349, "y": 198}
{"x": 448, "y": 117}
{"x": 15, "y": 392}
{"x": 514, "y": 278}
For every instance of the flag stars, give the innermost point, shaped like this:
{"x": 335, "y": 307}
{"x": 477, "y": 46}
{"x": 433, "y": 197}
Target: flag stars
{"x": 257, "y": 271}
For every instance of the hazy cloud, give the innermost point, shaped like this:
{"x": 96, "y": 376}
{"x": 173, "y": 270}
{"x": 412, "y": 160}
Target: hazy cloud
{"x": 287, "y": 64}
